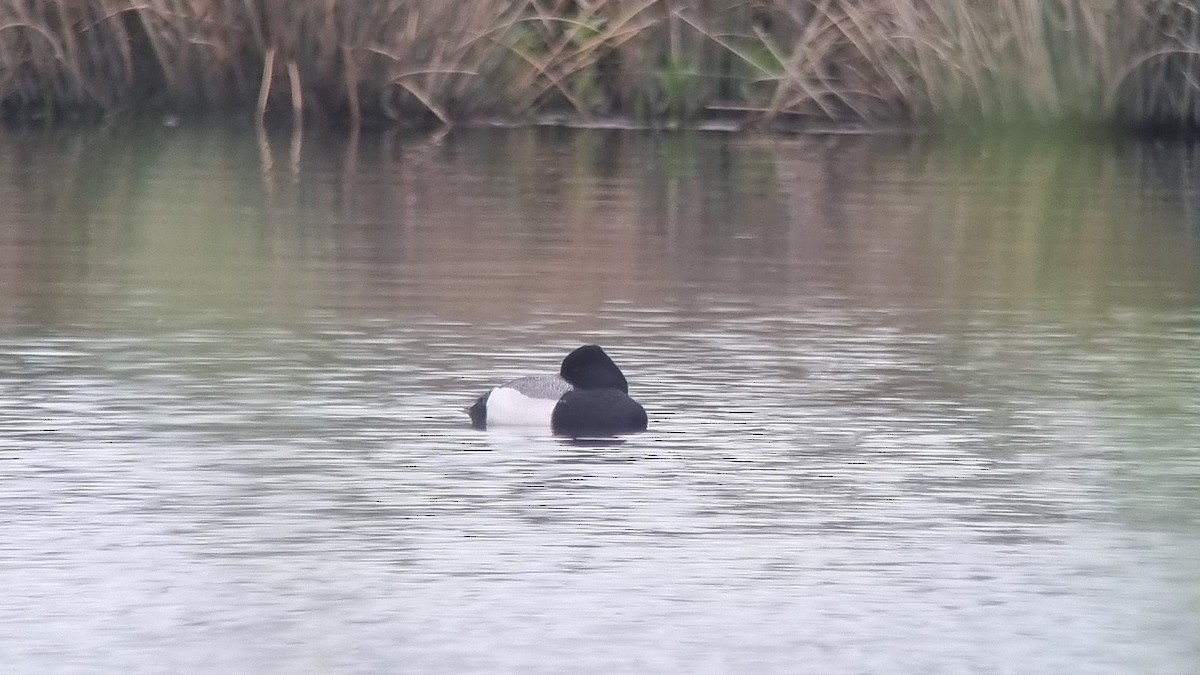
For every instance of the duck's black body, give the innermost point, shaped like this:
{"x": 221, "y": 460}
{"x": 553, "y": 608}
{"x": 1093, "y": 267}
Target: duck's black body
{"x": 597, "y": 412}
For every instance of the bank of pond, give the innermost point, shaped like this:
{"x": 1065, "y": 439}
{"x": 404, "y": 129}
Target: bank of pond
{"x": 862, "y": 64}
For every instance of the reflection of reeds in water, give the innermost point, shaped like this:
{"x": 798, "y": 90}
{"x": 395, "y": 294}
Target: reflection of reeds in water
{"x": 486, "y": 225}
{"x": 418, "y": 60}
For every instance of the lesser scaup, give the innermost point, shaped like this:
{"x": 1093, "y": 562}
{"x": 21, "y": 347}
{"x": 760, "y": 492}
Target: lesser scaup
{"x": 589, "y": 397}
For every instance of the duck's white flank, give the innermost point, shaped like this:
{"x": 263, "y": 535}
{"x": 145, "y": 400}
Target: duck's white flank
{"x": 510, "y": 407}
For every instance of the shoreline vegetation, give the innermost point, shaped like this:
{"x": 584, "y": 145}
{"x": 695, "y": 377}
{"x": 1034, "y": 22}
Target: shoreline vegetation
{"x": 792, "y": 64}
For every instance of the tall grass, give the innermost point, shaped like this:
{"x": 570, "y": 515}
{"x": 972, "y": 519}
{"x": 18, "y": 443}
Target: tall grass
{"x": 417, "y": 61}
{"x": 1046, "y": 61}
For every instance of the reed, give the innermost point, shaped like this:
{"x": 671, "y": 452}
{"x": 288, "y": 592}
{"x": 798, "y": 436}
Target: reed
{"x": 1051, "y": 61}
{"x": 790, "y": 61}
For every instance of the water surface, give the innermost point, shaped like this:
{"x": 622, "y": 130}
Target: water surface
{"x": 915, "y": 406}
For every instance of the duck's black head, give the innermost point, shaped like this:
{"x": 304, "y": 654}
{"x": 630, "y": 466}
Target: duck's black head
{"x": 588, "y": 367}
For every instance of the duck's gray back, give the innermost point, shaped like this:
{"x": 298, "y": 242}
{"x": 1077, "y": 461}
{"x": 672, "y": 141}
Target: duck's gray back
{"x": 540, "y": 386}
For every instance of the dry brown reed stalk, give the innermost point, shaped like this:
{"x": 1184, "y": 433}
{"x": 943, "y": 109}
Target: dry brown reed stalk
{"x": 54, "y": 55}
{"x": 564, "y": 52}
{"x": 1160, "y": 86}
{"x": 1010, "y": 61}
{"x": 1052, "y": 61}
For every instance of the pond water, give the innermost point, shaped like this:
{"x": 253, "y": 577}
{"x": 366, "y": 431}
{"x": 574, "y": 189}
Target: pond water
{"x": 915, "y": 405}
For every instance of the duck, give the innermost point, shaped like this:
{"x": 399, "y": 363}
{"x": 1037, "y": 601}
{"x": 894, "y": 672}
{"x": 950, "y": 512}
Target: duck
{"x": 588, "y": 397}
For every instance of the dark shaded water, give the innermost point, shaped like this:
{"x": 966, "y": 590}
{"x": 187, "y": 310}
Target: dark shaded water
{"x": 915, "y": 406}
